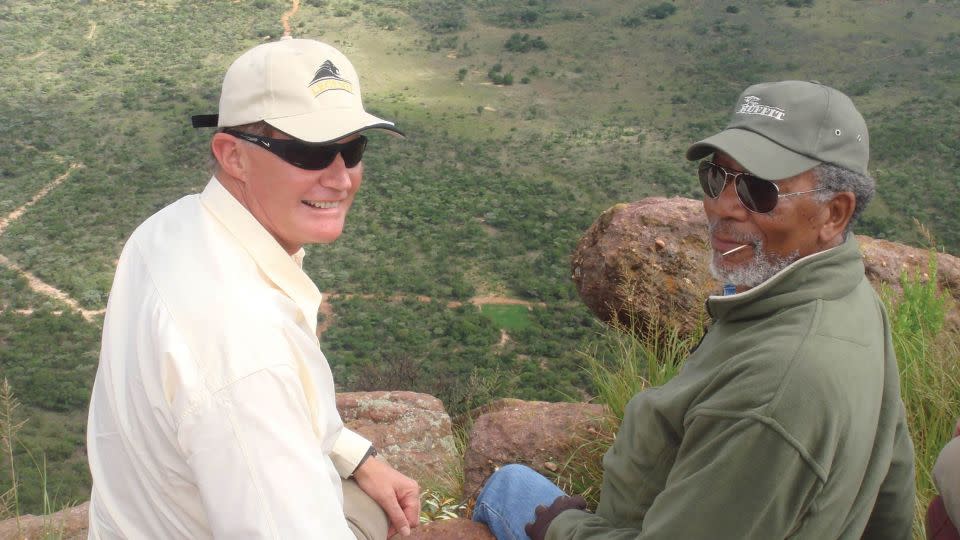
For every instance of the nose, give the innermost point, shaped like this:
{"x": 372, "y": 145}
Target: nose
{"x": 336, "y": 175}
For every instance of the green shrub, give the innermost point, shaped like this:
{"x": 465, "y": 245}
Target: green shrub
{"x": 440, "y": 16}
{"x": 517, "y": 17}
{"x": 522, "y": 43}
{"x": 497, "y": 76}
{"x": 437, "y": 44}
{"x": 660, "y": 11}
{"x": 385, "y": 21}
{"x": 632, "y": 21}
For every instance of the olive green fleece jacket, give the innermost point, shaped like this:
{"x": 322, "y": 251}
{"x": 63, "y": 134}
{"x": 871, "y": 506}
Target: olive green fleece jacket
{"x": 786, "y": 422}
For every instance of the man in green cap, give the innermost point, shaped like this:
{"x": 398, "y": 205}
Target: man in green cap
{"x": 786, "y": 420}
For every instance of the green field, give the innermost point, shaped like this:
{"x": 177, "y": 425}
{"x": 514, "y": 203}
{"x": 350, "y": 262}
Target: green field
{"x": 488, "y": 194}
{"x": 507, "y": 317}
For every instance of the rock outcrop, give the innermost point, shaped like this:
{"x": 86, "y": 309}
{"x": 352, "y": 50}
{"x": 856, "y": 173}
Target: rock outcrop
{"x": 412, "y": 432}
{"x": 450, "y": 529}
{"x": 645, "y": 264}
{"x": 534, "y": 433}
{"x": 69, "y": 524}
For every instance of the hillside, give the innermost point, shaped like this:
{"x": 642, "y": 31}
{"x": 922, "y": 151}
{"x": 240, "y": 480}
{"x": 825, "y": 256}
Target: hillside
{"x": 486, "y": 197}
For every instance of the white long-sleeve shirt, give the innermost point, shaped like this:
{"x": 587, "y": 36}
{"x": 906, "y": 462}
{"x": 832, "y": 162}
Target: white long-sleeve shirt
{"x": 213, "y": 412}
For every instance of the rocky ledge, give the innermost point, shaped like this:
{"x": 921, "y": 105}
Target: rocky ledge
{"x": 415, "y": 435}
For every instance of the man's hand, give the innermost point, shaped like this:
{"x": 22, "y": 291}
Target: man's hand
{"x": 544, "y": 516}
{"x": 398, "y": 495}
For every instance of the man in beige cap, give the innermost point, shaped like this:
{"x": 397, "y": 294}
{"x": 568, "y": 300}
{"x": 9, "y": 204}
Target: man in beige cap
{"x": 786, "y": 420}
{"x": 213, "y": 412}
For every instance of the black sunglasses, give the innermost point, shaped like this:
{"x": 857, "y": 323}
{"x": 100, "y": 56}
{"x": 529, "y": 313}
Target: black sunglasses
{"x": 310, "y": 156}
{"x": 755, "y": 194}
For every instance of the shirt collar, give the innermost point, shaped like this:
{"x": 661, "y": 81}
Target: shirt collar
{"x": 283, "y": 269}
{"x": 826, "y": 274}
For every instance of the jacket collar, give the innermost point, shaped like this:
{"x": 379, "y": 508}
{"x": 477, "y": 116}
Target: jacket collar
{"x": 827, "y": 274}
{"x": 284, "y": 270}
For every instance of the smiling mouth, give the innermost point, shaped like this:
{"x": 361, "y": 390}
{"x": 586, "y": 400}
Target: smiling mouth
{"x": 322, "y": 204}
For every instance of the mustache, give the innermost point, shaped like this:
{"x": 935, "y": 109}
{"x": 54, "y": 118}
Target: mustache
{"x": 727, "y": 229}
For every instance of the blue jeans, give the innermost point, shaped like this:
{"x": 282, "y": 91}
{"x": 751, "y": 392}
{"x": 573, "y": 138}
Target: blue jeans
{"x": 509, "y": 499}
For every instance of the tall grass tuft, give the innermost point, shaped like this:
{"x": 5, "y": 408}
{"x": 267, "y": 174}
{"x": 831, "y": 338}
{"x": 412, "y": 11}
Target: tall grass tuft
{"x": 9, "y": 426}
{"x": 621, "y": 363}
{"x": 624, "y": 362}
{"x": 928, "y": 354}
{"x": 52, "y": 527}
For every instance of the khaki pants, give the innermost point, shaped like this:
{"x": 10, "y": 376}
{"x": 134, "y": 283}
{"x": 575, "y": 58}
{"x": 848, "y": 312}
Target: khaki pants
{"x": 366, "y": 519}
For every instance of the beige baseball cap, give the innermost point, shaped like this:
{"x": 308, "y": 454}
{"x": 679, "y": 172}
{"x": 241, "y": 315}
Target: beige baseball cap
{"x": 781, "y": 129}
{"x": 304, "y": 88}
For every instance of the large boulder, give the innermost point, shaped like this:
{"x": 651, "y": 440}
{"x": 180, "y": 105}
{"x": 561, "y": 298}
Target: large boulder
{"x": 534, "y": 433}
{"x": 885, "y": 261}
{"x": 412, "y": 431}
{"x": 69, "y": 524}
{"x": 645, "y": 264}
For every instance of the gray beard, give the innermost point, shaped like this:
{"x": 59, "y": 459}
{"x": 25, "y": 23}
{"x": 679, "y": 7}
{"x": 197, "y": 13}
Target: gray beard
{"x": 760, "y": 268}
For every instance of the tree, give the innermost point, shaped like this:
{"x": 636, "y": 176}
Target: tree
{"x": 666, "y": 9}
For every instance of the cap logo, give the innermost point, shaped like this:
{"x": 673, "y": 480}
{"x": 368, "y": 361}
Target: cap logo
{"x": 752, "y": 105}
{"x": 328, "y": 78}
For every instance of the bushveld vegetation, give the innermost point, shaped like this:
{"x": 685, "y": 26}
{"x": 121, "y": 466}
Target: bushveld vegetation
{"x": 469, "y": 204}
{"x": 524, "y": 43}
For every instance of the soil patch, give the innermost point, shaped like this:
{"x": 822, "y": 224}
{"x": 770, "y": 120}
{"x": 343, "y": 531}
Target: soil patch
{"x": 46, "y": 289}
{"x": 285, "y": 18}
{"x": 33, "y": 281}
{"x": 15, "y": 215}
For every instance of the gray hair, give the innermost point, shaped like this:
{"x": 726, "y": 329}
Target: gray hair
{"x": 836, "y": 179}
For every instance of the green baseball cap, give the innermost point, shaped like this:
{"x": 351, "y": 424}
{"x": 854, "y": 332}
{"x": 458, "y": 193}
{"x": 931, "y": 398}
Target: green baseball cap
{"x": 782, "y": 129}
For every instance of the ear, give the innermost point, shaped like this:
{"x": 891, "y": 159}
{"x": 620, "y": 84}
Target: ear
{"x": 839, "y": 211}
{"x": 229, "y": 153}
